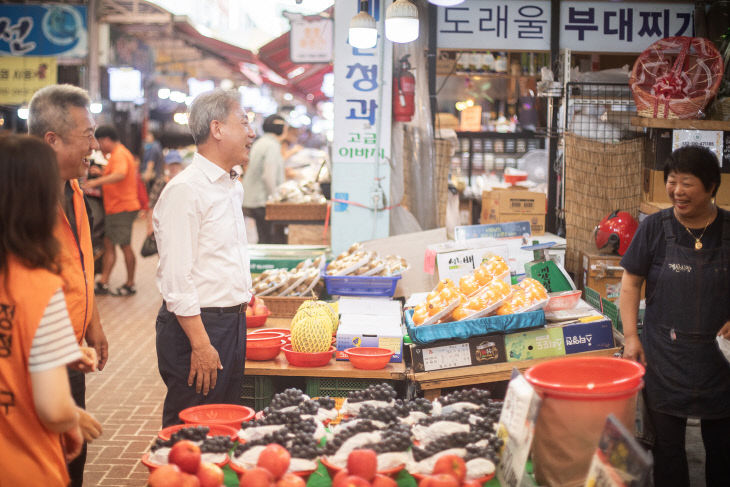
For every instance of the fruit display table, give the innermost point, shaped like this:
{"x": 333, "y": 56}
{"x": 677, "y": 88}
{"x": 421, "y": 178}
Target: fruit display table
{"x": 342, "y": 369}
{"x": 432, "y": 382}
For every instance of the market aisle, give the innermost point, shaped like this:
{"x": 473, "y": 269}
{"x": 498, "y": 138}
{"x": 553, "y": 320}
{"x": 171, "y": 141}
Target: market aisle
{"x": 126, "y": 397}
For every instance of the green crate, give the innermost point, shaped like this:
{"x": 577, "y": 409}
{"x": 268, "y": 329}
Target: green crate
{"x": 257, "y": 391}
{"x": 339, "y": 387}
{"x": 593, "y": 298}
{"x": 611, "y": 311}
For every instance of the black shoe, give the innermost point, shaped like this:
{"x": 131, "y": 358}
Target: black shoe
{"x": 124, "y": 291}
{"x": 102, "y": 289}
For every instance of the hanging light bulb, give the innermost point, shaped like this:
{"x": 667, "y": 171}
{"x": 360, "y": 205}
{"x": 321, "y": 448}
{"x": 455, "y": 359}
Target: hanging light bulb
{"x": 446, "y": 3}
{"x": 363, "y": 33}
{"x": 401, "y": 22}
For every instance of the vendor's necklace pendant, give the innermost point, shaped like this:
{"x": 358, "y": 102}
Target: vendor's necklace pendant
{"x": 698, "y": 245}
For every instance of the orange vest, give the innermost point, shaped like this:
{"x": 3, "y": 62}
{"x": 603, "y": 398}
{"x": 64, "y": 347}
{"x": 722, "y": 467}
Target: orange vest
{"x": 31, "y": 454}
{"x": 77, "y": 263}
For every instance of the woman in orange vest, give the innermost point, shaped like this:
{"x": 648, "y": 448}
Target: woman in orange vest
{"x": 39, "y": 428}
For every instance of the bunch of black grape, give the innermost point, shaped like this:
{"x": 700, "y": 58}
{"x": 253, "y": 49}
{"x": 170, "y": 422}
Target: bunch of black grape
{"x": 217, "y": 444}
{"x": 309, "y": 407}
{"x": 475, "y": 396}
{"x": 490, "y": 412}
{"x": 377, "y": 392}
{"x": 404, "y": 408}
{"x": 272, "y": 417}
{"x": 279, "y": 437}
{"x": 192, "y": 433}
{"x": 303, "y": 445}
{"x": 462, "y": 417}
{"x": 386, "y": 414}
{"x": 290, "y": 397}
{"x": 397, "y": 439}
{"x": 455, "y": 440}
{"x": 346, "y": 432}
{"x": 326, "y": 402}
{"x": 490, "y": 451}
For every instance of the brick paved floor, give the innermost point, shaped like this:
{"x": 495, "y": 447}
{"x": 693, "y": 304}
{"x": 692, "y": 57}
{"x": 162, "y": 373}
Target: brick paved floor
{"x": 126, "y": 397}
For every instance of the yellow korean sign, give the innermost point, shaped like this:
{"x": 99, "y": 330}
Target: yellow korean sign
{"x": 21, "y": 76}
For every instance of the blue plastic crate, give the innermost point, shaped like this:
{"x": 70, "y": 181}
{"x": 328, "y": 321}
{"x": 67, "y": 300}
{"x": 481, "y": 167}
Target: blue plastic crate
{"x": 361, "y": 285}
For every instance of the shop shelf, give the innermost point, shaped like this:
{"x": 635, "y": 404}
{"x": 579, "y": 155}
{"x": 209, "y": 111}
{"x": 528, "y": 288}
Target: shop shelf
{"x": 257, "y": 391}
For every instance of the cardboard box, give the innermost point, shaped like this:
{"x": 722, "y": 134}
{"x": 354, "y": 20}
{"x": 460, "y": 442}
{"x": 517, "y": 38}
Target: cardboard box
{"x": 538, "y": 343}
{"x": 501, "y": 201}
{"x": 370, "y": 322}
{"x": 602, "y": 273}
{"x": 587, "y": 337}
{"x": 537, "y": 221}
{"x": 303, "y": 234}
{"x": 447, "y": 354}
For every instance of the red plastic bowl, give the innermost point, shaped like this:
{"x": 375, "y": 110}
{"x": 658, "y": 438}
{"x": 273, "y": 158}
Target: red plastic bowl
{"x": 563, "y": 300}
{"x": 153, "y": 466}
{"x": 333, "y": 469}
{"x": 264, "y": 352}
{"x": 305, "y": 359}
{"x": 264, "y": 339}
{"x": 255, "y": 321}
{"x": 586, "y": 377}
{"x": 214, "y": 430}
{"x": 228, "y": 414}
{"x": 285, "y": 331}
{"x": 369, "y": 358}
{"x": 304, "y": 474}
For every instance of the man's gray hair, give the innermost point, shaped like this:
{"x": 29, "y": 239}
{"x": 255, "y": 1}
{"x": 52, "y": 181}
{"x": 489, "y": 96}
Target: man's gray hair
{"x": 49, "y": 109}
{"x": 209, "y": 106}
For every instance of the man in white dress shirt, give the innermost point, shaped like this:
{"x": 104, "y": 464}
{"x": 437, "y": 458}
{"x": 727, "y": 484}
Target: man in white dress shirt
{"x": 203, "y": 273}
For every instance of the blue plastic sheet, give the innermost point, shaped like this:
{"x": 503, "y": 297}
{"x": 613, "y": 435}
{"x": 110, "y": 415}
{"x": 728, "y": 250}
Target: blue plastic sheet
{"x": 425, "y": 334}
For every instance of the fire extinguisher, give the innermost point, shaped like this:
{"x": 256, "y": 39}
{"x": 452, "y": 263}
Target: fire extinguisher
{"x": 404, "y": 89}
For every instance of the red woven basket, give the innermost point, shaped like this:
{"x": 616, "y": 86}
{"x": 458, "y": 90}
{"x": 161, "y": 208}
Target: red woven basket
{"x": 676, "y": 77}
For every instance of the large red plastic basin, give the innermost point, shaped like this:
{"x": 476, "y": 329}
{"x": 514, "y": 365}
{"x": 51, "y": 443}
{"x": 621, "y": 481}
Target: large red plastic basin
{"x": 229, "y": 414}
{"x": 587, "y": 377}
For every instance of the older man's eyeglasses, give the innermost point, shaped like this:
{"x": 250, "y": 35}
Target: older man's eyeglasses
{"x": 90, "y": 137}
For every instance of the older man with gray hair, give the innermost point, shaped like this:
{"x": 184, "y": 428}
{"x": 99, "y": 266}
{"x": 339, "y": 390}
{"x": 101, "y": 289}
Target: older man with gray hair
{"x": 203, "y": 274}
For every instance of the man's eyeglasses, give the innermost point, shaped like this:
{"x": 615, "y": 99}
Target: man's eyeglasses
{"x": 90, "y": 137}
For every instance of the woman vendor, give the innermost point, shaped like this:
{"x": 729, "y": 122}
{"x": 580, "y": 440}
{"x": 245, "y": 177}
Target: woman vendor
{"x": 683, "y": 253}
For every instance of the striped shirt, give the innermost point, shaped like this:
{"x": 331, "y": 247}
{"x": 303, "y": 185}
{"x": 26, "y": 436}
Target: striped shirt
{"x": 54, "y": 343}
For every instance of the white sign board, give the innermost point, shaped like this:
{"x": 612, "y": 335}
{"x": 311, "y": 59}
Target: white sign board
{"x": 311, "y": 41}
{"x": 495, "y": 25}
{"x": 584, "y": 26}
{"x": 622, "y": 27}
{"x": 709, "y": 139}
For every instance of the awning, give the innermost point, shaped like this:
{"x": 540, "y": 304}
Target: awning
{"x": 305, "y": 79}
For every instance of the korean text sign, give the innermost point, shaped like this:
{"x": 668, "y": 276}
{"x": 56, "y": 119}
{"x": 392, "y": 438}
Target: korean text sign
{"x": 43, "y": 30}
{"x": 20, "y": 77}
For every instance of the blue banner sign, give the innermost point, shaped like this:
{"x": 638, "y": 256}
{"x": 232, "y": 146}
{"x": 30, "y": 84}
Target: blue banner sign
{"x": 43, "y": 30}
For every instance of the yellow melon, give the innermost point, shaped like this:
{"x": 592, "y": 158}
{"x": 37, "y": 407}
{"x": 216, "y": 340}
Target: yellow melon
{"x": 310, "y": 333}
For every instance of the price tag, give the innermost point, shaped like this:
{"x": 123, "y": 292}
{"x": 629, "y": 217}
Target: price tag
{"x": 446, "y": 357}
{"x": 517, "y": 428}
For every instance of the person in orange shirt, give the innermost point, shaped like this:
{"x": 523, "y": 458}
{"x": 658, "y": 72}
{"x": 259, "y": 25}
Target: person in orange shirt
{"x": 60, "y": 116}
{"x": 121, "y": 205}
{"x": 39, "y": 422}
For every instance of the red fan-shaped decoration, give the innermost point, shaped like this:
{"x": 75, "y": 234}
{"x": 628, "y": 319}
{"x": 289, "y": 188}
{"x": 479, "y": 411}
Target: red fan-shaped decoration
{"x": 676, "y": 77}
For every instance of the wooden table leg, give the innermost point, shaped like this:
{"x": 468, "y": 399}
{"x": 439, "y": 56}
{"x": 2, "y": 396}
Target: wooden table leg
{"x": 431, "y": 394}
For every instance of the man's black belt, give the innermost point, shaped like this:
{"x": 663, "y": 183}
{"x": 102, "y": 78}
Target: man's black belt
{"x": 238, "y": 308}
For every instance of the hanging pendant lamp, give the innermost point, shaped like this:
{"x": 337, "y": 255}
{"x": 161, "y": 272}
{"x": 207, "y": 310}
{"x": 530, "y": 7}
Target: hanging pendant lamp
{"x": 401, "y": 22}
{"x": 363, "y": 32}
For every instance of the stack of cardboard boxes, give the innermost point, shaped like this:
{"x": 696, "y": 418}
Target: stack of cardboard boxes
{"x": 512, "y": 205}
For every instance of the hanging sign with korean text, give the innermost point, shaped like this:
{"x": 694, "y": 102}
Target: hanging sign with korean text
{"x": 43, "y": 30}
{"x": 311, "y": 41}
{"x": 20, "y": 77}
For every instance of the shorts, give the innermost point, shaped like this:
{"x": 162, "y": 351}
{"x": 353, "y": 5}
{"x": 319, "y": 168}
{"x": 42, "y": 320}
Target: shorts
{"x": 118, "y": 227}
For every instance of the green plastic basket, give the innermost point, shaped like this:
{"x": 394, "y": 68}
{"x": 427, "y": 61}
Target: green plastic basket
{"x": 593, "y": 298}
{"x": 611, "y": 311}
{"x": 257, "y": 391}
{"x": 339, "y": 387}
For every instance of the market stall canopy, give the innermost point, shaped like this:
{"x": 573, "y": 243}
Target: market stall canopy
{"x": 305, "y": 79}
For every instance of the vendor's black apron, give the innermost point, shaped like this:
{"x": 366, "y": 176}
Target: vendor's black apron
{"x": 687, "y": 374}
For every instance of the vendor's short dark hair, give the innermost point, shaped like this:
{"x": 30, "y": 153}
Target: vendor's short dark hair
{"x": 107, "y": 131}
{"x": 274, "y": 124}
{"x": 698, "y": 161}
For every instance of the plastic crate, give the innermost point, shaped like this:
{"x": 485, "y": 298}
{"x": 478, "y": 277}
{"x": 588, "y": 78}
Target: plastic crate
{"x": 593, "y": 298}
{"x": 338, "y": 387}
{"x": 257, "y": 391}
{"x": 361, "y": 285}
